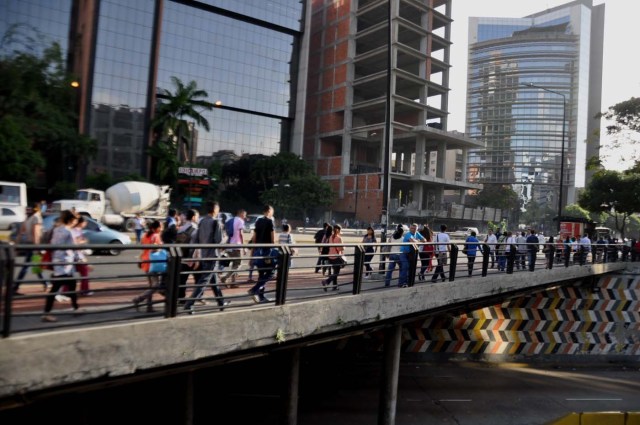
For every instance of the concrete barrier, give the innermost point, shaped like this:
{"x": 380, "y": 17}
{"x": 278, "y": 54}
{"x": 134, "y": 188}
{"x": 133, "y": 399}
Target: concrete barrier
{"x": 599, "y": 418}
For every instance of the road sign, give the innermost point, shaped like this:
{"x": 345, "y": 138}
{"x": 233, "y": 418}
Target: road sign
{"x": 191, "y": 171}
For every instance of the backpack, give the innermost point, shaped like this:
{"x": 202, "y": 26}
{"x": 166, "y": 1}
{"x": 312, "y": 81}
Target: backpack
{"x": 169, "y": 234}
{"x": 185, "y": 236}
{"x": 228, "y": 227}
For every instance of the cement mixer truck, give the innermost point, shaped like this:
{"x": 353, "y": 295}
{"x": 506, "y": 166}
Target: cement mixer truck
{"x": 118, "y": 206}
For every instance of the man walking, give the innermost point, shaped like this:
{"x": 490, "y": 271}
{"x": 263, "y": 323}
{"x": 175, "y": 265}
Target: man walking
{"x": 491, "y": 241}
{"x": 533, "y": 245}
{"x": 264, "y": 233}
{"x": 442, "y": 248}
{"x": 236, "y": 238}
{"x": 209, "y": 232}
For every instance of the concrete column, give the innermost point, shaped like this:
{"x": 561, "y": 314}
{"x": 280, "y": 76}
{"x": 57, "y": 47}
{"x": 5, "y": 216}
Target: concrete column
{"x": 390, "y": 373}
{"x": 293, "y": 380}
{"x": 442, "y": 160}
{"x": 188, "y": 398}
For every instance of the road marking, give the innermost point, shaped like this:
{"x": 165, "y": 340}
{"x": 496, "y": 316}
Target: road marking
{"x": 456, "y": 399}
{"x": 593, "y": 399}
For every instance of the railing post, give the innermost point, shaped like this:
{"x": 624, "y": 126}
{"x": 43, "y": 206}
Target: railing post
{"x": 358, "y": 265}
{"x": 454, "y": 262}
{"x": 413, "y": 263}
{"x": 282, "y": 274}
{"x": 485, "y": 258}
{"x": 511, "y": 258}
{"x": 7, "y": 264}
{"x": 173, "y": 281}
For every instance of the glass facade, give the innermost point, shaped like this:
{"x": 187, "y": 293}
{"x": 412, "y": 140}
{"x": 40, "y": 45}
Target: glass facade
{"x": 48, "y": 18}
{"x": 522, "y": 127}
{"x": 121, "y": 72}
{"x": 243, "y": 65}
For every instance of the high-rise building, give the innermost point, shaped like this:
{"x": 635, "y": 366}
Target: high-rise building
{"x": 244, "y": 54}
{"x": 533, "y": 91}
{"x": 377, "y": 105}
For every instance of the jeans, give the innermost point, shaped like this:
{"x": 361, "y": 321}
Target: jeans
{"x": 23, "y": 271}
{"x": 442, "y": 261}
{"x": 403, "y": 264}
{"x": 532, "y": 259}
{"x": 470, "y": 260}
{"x": 204, "y": 280}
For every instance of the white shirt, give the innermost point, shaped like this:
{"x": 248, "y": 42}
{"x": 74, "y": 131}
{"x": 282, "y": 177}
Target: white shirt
{"x": 491, "y": 241}
{"x": 441, "y": 240}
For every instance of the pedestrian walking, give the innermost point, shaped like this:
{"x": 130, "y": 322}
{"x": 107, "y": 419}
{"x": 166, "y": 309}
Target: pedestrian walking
{"x": 187, "y": 233}
{"x": 406, "y": 254}
{"x": 393, "y": 254}
{"x": 335, "y": 258}
{"x": 30, "y": 233}
{"x": 264, "y": 233}
{"x": 318, "y": 237}
{"x": 82, "y": 263}
{"x": 369, "y": 250}
{"x": 63, "y": 267}
{"x": 235, "y": 225}
{"x": 471, "y": 245}
{"x": 154, "y": 278}
{"x": 533, "y": 243}
{"x": 426, "y": 253}
{"x": 442, "y": 241}
{"x": 140, "y": 223}
{"x": 209, "y": 232}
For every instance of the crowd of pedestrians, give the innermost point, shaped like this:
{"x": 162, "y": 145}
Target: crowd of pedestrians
{"x": 206, "y": 267}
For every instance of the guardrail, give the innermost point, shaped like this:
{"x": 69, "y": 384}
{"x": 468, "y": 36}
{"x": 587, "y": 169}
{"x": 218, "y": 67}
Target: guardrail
{"x": 120, "y": 290}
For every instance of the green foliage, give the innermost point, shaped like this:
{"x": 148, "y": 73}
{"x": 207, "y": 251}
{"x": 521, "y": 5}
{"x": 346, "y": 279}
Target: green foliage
{"x": 614, "y": 193}
{"x": 38, "y": 114}
{"x": 63, "y": 190}
{"x": 498, "y": 196}
{"x": 171, "y": 126}
{"x": 575, "y": 210}
{"x": 626, "y": 125}
{"x": 101, "y": 181}
{"x": 299, "y": 195}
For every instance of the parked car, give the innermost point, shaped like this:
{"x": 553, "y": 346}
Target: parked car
{"x": 96, "y": 233}
{"x": 9, "y": 216}
{"x": 250, "y": 222}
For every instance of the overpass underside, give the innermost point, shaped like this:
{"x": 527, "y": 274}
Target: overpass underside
{"x": 105, "y": 355}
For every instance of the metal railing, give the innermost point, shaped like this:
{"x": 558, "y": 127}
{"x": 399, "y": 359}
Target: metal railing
{"x": 290, "y": 273}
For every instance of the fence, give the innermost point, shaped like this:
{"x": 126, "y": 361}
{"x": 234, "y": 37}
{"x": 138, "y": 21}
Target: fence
{"x": 119, "y": 290}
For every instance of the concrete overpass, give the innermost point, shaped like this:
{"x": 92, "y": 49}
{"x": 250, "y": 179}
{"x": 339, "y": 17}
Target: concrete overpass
{"x": 37, "y": 364}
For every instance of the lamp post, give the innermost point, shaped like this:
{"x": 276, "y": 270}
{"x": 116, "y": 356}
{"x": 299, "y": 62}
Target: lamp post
{"x": 564, "y": 125}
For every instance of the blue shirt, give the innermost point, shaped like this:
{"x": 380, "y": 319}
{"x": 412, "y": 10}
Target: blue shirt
{"x": 471, "y": 246}
{"x": 405, "y": 249}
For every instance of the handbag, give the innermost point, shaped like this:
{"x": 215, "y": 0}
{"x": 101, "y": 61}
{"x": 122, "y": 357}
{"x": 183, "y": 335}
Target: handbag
{"x": 343, "y": 260}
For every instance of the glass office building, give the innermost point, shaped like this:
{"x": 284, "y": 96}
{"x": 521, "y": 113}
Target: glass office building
{"x": 244, "y": 54}
{"x": 533, "y": 90}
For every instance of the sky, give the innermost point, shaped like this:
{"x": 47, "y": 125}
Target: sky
{"x": 621, "y": 64}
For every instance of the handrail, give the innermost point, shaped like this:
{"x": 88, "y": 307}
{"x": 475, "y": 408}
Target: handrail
{"x": 295, "y": 280}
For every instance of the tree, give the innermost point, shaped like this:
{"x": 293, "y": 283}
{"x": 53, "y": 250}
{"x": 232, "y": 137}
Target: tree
{"x": 38, "y": 119}
{"x": 626, "y": 124}
{"x": 614, "y": 193}
{"x": 172, "y": 128}
{"x": 497, "y": 196}
{"x": 575, "y": 210}
{"x": 283, "y": 179}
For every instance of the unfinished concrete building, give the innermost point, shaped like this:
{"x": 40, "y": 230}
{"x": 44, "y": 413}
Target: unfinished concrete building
{"x": 355, "y": 83}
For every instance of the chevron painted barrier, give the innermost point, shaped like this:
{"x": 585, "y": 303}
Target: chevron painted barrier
{"x": 600, "y": 320}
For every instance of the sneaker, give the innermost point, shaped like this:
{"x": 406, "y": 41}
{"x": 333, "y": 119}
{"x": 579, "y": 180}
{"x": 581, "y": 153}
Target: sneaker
{"x": 367, "y": 276}
{"x": 49, "y": 318}
{"x": 62, "y": 298}
{"x": 404, "y": 286}
{"x": 202, "y": 302}
{"x": 256, "y": 298}
{"x": 264, "y": 300}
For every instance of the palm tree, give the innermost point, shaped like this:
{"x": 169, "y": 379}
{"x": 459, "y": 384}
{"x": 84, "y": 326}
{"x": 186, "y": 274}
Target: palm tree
{"x": 171, "y": 124}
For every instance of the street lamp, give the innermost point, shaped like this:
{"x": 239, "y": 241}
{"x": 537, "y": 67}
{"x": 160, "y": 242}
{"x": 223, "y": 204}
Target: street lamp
{"x": 564, "y": 125}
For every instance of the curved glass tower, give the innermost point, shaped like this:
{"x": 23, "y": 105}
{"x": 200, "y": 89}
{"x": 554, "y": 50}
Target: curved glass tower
{"x": 534, "y": 87}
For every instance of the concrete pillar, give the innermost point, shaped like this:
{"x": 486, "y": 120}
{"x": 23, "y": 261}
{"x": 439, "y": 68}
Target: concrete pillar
{"x": 293, "y": 380}
{"x": 442, "y": 160}
{"x": 188, "y": 398}
{"x": 390, "y": 373}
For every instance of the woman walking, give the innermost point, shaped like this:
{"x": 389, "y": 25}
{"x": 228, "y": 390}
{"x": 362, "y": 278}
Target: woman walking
{"x": 426, "y": 253}
{"x": 63, "y": 266}
{"x": 369, "y": 251}
{"x": 151, "y": 237}
{"x": 335, "y": 258}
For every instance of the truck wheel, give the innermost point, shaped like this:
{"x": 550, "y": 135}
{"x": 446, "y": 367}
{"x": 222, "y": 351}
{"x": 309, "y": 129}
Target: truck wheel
{"x": 130, "y": 225}
{"x": 114, "y": 251}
